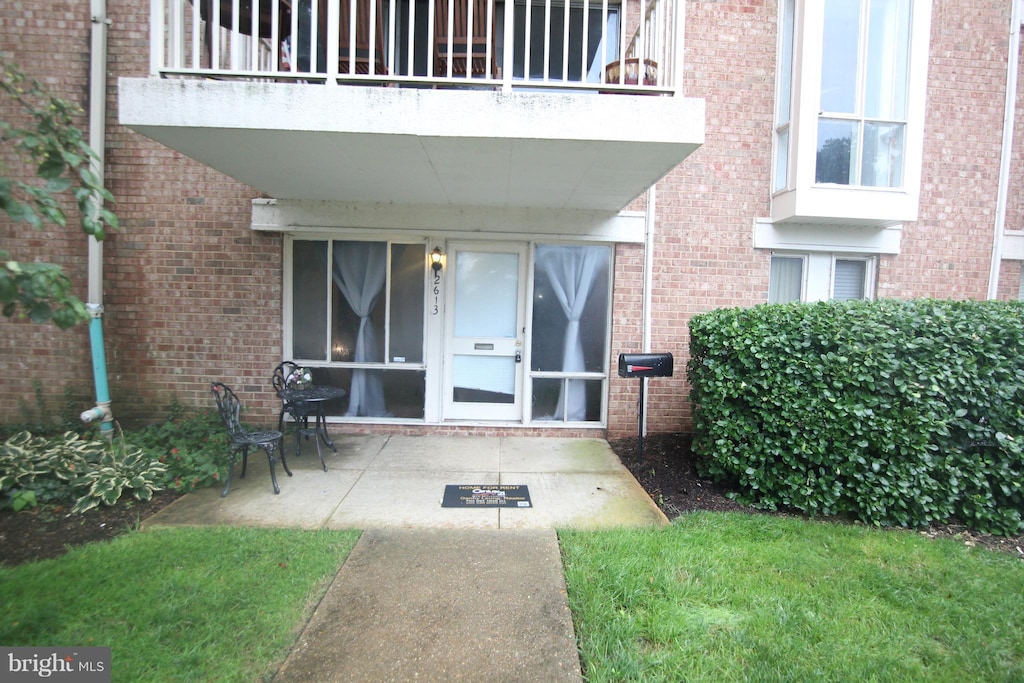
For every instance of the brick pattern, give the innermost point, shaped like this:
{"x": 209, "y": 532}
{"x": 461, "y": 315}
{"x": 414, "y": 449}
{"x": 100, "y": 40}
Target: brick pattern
{"x": 36, "y": 355}
{"x": 194, "y": 295}
{"x": 947, "y": 252}
{"x": 703, "y": 256}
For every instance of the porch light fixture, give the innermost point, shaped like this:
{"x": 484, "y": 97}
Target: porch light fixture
{"x": 435, "y": 259}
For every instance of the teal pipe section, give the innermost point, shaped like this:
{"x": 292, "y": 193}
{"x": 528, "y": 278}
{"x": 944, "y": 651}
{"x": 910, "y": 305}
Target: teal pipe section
{"x": 99, "y": 371}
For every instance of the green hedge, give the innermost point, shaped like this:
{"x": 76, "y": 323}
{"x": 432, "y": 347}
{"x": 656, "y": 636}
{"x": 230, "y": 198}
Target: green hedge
{"x": 898, "y": 413}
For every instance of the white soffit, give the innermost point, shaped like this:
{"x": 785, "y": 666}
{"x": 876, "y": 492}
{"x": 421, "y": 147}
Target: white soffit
{"x": 315, "y": 217}
{"x": 420, "y": 146}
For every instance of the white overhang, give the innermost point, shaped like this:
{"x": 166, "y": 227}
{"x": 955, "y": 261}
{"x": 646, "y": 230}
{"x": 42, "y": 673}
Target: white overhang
{"x": 390, "y": 145}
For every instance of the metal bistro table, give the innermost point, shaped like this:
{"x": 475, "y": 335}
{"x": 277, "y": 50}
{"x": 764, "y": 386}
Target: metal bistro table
{"x": 317, "y": 395}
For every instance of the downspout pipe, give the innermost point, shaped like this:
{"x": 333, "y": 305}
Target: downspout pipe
{"x": 650, "y": 216}
{"x": 1009, "y": 113}
{"x": 97, "y": 133}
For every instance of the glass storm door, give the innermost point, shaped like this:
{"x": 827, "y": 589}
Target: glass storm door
{"x": 486, "y": 301}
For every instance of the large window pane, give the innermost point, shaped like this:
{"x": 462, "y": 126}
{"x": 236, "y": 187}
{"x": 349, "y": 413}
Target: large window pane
{"x": 882, "y": 165}
{"x": 782, "y": 100}
{"x": 785, "y": 282}
{"x": 839, "y": 56}
{"x": 359, "y": 270}
{"x": 483, "y": 379}
{"x": 403, "y": 391}
{"x": 836, "y": 151}
{"x": 570, "y": 308}
{"x": 309, "y": 300}
{"x": 550, "y": 396}
{"x": 406, "y": 331}
{"x": 865, "y": 72}
{"x": 782, "y": 159}
{"x": 570, "y": 329}
{"x": 888, "y": 55}
{"x": 486, "y": 292}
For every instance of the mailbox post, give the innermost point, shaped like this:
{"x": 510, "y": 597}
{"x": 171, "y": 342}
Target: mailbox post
{"x": 644, "y": 365}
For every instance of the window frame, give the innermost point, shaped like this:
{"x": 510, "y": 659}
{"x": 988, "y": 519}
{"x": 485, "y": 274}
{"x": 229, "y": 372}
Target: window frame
{"x": 818, "y": 275}
{"x": 288, "y": 317}
{"x": 868, "y": 290}
{"x": 327, "y": 368}
{"x": 563, "y": 376}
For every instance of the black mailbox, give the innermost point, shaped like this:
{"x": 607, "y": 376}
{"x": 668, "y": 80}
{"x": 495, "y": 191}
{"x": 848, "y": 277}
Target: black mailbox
{"x": 645, "y": 365}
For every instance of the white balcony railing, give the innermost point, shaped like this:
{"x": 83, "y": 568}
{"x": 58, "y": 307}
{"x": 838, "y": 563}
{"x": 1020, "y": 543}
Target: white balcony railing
{"x": 556, "y": 44}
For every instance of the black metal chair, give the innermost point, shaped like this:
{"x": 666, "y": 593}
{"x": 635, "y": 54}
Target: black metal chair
{"x": 241, "y": 439}
{"x": 300, "y": 411}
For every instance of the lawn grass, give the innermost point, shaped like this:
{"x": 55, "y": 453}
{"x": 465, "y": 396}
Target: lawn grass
{"x": 736, "y": 597}
{"x": 178, "y": 604}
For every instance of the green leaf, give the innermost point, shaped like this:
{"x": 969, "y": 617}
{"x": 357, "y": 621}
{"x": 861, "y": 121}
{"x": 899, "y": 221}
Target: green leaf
{"x": 51, "y": 168}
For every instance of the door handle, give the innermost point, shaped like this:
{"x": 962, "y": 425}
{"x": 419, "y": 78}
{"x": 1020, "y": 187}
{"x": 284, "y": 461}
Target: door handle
{"x": 519, "y": 357}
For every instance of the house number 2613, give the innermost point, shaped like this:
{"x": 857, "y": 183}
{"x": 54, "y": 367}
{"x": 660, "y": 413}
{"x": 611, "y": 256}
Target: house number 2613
{"x": 437, "y": 292}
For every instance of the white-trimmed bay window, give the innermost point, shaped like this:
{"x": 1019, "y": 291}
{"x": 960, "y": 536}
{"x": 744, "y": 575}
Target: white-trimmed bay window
{"x": 850, "y": 110}
{"x": 820, "y": 276}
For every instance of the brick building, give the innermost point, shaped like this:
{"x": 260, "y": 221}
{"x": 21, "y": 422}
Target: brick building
{"x": 276, "y": 208}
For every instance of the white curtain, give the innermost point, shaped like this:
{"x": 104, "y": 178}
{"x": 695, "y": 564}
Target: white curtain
{"x": 360, "y": 269}
{"x": 785, "y": 280}
{"x": 572, "y": 272}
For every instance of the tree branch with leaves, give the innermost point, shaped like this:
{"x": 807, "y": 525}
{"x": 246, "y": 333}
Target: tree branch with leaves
{"x": 63, "y": 162}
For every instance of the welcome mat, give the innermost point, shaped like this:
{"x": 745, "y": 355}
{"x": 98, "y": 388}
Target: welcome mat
{"x": 486, "y": 495}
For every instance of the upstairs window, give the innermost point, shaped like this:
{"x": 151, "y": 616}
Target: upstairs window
{"x": 864, "y": 88}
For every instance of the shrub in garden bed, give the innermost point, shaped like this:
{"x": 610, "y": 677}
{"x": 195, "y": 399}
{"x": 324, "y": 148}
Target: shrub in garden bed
{"x": 897, "y": 413}
{"x": 183, "y": 453}
{"x": 51, "y": 469}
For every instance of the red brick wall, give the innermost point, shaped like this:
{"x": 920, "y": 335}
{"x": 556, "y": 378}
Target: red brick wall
{"x": 947, "y": 252}
{"x": 191, "y": 293}
{"x": 704, "y": 258}
{"x": 1009, "y": 280}
{"x": 31, "y": 352}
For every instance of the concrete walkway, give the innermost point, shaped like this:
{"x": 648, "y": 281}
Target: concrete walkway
{"x": 442, "y": 605}
{"x": 432, "y": 593}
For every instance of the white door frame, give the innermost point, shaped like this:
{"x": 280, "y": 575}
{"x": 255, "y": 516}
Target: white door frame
{"x": 485, "y": 347}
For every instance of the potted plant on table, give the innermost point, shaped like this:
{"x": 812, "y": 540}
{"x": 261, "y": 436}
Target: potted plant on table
{"x": 299, "y": 379}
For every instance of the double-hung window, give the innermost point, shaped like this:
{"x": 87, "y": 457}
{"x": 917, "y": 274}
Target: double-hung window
{"x": 820, "y": 276}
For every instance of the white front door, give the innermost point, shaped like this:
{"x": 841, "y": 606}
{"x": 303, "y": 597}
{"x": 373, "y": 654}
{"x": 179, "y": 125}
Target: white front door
{"x": 486, "y": 302}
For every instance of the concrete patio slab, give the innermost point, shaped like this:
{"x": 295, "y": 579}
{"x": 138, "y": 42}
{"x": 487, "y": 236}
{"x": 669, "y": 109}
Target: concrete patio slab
{"x": 306, "y": 501}
{"x": 410, "y": 499}
{"x": 440, "y": 453}
{"x": 581, "y": 501}
{"x": 528, "y": 454}
{"x": 398, "y": 482}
